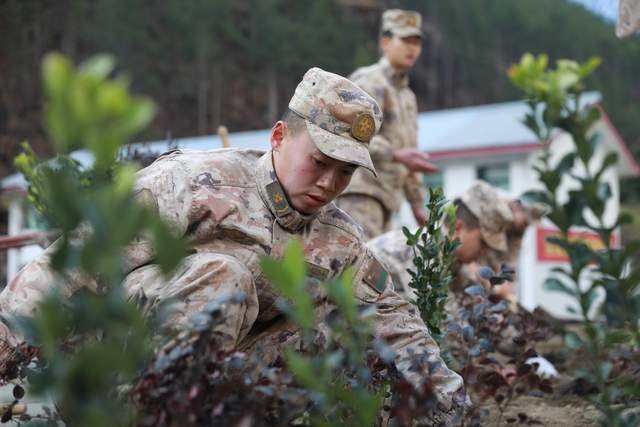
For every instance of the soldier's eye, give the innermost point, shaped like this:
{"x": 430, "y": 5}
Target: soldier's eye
{"x": 317, "y": 162}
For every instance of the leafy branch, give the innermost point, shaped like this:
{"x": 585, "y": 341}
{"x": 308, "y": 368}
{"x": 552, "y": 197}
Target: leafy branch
{"x": 554, "y": 97}
{"x": 433, "y": 254}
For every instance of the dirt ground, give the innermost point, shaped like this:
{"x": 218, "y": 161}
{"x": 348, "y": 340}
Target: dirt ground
{"x": 546, "y": 411}
{"x": 562, "y": 408}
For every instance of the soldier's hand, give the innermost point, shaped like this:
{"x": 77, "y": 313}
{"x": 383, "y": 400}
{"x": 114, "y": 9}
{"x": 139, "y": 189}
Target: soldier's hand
{"x": 415, "y": 160}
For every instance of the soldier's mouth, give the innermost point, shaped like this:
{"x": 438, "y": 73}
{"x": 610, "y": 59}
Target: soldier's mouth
{"x": 317, "y": 199}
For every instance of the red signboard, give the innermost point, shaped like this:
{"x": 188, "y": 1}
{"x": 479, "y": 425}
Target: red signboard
{"x": 550, "y": 252}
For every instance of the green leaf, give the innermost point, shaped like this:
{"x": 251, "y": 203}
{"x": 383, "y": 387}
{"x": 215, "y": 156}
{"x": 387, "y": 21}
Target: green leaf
{"x": 302, "y": 368}
{"x": 605, "y": 369}
{"x": 591, "y": 296}
{"x": 556, "y": 285}
{"x": 610, "y": 159}
{"x": 98, "y": 67}
{"x": 616, "y": 337}
{"x": 57, "y": 74}
{"x": 288, "y": 277}
{"x": 573, "y": 341}
{"x": 566, "y": 163}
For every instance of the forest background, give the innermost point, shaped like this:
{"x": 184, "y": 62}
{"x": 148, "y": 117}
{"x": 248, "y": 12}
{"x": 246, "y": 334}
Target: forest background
{"x": 213, "y": 62}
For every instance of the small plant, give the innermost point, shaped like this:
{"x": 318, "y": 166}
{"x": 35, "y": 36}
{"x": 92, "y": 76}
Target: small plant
{"x": 94, "y": 341}
{"x": 479, "y": 327}
{"x": 191, "y": 382}
{"x": 470, "y": 326}
{"x": 330, "y": 372}
{"x": 611, "y": 336}
{"x": 334, "y": 366}
{"x": 433, "y": 249}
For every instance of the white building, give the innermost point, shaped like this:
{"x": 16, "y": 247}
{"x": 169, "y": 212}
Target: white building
{"x": 487, "y": 142}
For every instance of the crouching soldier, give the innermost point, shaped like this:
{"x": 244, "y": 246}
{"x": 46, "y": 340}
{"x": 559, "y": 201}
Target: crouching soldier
{"x": 481, "y": 225}
{"x": 236, "y": 206}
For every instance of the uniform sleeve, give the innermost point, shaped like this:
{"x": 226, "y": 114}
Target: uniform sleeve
{"x": 164, "y": 187}
{"x": 398, "y": 323}
{"x": 414, "y": 190}
{"x": 21, "y": 296}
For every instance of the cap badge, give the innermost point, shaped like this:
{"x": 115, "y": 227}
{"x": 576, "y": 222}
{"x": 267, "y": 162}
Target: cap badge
{"x": 363, "y": 127}
{"x": 411, "y": 21}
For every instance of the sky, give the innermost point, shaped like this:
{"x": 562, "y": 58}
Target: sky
{"x": 605, "y": 8}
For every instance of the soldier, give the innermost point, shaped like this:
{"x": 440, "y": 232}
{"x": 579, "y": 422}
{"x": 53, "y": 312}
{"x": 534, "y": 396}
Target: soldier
{"x": 238, "y": 205}
{"x": 523, "y": 216}
{"x": 369, "y": 200}
{"x": 481, "y": 225}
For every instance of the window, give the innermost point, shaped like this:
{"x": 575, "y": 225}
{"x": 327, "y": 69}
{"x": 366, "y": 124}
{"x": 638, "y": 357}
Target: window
{"x": 496, "y": 175}
{"x": 432, "y": 180}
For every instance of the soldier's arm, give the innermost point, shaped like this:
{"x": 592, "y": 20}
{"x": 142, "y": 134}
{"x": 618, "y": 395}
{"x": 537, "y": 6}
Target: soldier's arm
{"x": 21, "y": 296}
{"x": 163, "y": 187}
{"x": 398, "y": 323}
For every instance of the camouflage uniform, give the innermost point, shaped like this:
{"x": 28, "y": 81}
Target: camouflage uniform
{"x": 495, "y": 259}
{"x": 371, "y": 201}
{"x": 231, "y": 206}
{"x": 628, "y": 18}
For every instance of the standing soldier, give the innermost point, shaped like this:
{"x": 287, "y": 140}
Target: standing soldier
{"x": 236, "y": 206}
{"x": 369, "y": 200}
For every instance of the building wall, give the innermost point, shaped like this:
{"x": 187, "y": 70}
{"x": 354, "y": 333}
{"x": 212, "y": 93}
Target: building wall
{"x": 18, "y": 224}
{"x": 457, "y": 177}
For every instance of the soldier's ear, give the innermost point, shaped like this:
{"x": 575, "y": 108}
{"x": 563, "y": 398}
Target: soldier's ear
{"x": 459, "y": 225}
{"x": 277, "y": 135}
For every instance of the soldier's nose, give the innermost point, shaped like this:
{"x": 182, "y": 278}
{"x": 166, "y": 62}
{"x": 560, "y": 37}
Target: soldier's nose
{"x": 328, "y": 182}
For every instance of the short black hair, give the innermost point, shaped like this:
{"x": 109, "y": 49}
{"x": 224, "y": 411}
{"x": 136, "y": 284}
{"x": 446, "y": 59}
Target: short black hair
{"x": 386, "y": 33}
{"x": 294, "y": 122}
{"x": 464, "y": 214}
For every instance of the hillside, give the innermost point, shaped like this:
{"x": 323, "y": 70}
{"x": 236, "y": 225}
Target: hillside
{"x": 211, "y": 62}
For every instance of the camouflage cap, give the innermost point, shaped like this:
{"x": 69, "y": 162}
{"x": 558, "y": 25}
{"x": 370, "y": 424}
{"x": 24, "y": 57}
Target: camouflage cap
{"x": 535, "y": 211}
{"x": 492, "y": 211}
{"x": 341, "y": 118}
{"x": 402, "y": 23}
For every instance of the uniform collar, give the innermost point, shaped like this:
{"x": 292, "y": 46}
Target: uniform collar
{"x": 397, "y": 78}
{"x": 274, "y": 197}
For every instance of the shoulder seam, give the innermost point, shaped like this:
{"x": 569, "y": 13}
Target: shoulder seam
{"x": 326, "y": 219}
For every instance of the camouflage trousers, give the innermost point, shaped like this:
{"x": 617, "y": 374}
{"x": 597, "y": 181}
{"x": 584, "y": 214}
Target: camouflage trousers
{"x": 200, "y": 279}
{"x": 367, "y": 211}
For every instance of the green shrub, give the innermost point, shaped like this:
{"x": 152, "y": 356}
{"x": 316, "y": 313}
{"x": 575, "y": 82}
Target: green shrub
{"x": 611, "y": 337}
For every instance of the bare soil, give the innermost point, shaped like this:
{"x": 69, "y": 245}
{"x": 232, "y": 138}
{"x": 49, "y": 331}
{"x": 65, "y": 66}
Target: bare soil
{"x": 546, "y": 411}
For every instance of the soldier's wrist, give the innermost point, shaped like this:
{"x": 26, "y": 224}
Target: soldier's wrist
{"x": 416, "y": 205}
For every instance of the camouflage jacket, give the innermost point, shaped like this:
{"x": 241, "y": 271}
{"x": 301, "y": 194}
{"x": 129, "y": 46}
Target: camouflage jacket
{"x": 230, "y": 202}
{"x": 399, "y": 130}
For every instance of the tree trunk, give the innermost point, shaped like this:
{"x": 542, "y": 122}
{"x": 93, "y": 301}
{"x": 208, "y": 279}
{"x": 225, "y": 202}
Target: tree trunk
{"x": 202, "y": 95}
{"x": 272, "y": 94}
{"x": 217, "y": 79}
